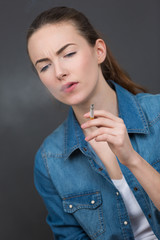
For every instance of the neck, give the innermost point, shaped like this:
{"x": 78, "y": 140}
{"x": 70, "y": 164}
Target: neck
{"x": 104, "y": 99}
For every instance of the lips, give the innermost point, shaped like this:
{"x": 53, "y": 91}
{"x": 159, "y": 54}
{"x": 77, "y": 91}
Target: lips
{"x": 69, "y": 86}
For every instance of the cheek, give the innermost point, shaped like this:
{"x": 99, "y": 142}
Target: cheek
{"x": 87, "y": 64}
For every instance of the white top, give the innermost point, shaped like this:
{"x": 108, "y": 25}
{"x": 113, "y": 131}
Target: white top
{"x": 140, "y": 225}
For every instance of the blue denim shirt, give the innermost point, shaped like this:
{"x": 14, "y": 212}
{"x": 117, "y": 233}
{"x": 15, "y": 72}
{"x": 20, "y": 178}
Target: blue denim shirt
{"x": 81, "y": 200}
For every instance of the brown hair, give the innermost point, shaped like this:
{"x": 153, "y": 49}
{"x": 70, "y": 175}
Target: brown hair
{"x": 110, "y": 68}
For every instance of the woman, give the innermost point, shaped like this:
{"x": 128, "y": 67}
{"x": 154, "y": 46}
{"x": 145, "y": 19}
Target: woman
{"x": 99, "y": 178}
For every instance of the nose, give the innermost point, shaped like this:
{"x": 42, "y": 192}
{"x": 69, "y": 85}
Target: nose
{"x": 61, "y": 76}
{"x": 61, "y": 72}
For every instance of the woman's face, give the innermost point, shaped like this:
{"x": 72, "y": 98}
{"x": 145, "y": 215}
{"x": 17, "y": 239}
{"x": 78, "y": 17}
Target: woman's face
{"x": 66, "y": 64}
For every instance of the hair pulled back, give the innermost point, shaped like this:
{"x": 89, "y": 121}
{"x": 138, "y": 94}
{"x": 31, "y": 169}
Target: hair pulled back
{"x": 110, "y": 68}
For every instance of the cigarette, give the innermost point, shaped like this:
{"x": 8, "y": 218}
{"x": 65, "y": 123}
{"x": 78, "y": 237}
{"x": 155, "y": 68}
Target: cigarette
{"x": 92, "y": 111}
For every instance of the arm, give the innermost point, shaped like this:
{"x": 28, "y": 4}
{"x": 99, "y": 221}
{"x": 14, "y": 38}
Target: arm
{"x": 147, "y": 176}
{"x": 63, "y": 225}
{"x": 112, "y": 130}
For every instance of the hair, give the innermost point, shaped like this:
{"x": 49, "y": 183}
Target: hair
{"x": 110, "y": 67}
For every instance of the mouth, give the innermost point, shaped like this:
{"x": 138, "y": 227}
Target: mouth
{"x": 68, "y": 87}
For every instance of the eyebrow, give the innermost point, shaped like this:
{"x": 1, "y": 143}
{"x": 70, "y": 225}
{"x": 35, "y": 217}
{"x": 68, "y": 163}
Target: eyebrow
{"x": 57, "y": 53}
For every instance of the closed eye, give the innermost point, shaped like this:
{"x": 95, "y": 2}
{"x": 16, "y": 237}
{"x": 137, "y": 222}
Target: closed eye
{"x": 70, "y": 54}
{"x": 45, "y": 68}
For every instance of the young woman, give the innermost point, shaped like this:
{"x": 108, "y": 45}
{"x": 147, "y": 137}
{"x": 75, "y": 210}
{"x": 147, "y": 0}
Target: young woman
{"x": 99, "y": 178}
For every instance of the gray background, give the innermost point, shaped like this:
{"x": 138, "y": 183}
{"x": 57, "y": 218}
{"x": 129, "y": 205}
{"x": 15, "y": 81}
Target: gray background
{"x": 28, "y": 113}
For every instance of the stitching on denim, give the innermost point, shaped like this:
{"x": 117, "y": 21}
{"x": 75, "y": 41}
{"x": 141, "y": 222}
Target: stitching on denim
{"x": 101, "y": 225}
{"x": 138, "y": 130}
{"x": 154, "y": 120}
{"x": 119, "y": 214}
{"x": 104, "y": 226}
{"x": 85, "y": 194}
{"x": 46, "y": 166}
{"x": 144, "y": 197}
{"x": 101, "y": 219}
{"x": 95, "y": 169}
{"x": 83, "y": 226}
{"x": 59, "y": 155}
{"x": 86, "y": 230}
{"x": 90, "y": 207}
{"x": 75, "y": 146}
{"x": 91, "y": 162}
{"x": 157, "y": 161}
{"x": 140, "y": 110}
{"x": 148, "y": 207}
{"x": 84, "y": 206}
{"x": 65, "y": 139}
{"x": 141, "y": 113}
{"x": 77, "y": 137}
{"x": 44, "y": 157}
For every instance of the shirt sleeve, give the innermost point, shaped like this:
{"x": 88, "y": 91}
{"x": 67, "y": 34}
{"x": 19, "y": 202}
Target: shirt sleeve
{"x": 62, "y": 224}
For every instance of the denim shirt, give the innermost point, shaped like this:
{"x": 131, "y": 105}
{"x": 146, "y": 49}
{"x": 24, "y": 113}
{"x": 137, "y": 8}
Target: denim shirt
{"x": 81, "y": 200}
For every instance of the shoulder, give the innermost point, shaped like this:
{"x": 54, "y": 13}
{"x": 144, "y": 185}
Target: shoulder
{"x": 53, "y": 145}
{"x": 55, "y": 140}
{"x": 150, "y": 104}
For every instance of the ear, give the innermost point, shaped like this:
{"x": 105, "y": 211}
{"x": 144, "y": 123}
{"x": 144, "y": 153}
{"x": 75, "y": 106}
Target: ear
{"x": 101, "y": 50}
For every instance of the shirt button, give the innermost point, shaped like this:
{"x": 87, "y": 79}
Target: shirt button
{"x": 149, "y": 215}
{"x": 70, "y": 206}
{"x": 125, "y": 222}
{"x": 92, "y": 202}
{"x": 135, "y": 188}
{"x": 100, "y": 169}
{"x": 117, "y": 193}
{"x": 85, "y": 149}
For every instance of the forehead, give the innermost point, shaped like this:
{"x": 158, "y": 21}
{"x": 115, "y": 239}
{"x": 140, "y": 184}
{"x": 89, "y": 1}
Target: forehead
{"x": 54, "y": 36}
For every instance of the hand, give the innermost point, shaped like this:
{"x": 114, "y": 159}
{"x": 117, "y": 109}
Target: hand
{"x": 111, "y": 129}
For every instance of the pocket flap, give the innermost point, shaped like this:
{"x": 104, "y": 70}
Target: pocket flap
{"x": 87, "y": 200}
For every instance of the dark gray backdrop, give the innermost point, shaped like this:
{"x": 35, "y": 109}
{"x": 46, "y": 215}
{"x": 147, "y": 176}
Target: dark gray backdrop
{"x": 29, "y": 113}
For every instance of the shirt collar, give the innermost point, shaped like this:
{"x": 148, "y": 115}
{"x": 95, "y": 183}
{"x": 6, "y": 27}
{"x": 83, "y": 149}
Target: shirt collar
{"x": 129, "y": 110}
{"x": 74, "y": 136}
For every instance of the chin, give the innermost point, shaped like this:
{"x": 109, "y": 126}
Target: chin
{"x": 75, "y": 99}
{"x": 79, "y": 102}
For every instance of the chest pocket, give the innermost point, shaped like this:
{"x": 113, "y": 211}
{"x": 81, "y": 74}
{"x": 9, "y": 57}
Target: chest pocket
{"x": 87, "y": 209}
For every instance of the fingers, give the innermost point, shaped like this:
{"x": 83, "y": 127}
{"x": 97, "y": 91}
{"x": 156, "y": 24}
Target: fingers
{"x": 102, "y": 118}
{"x": 111, "y": 129}
{"x": 98, "y": 122}
{"x": 99, "y": 132}
{"x": 102, "y": 113}
{"x": 105, "y": 137}
{"x": 107, "y": 126}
